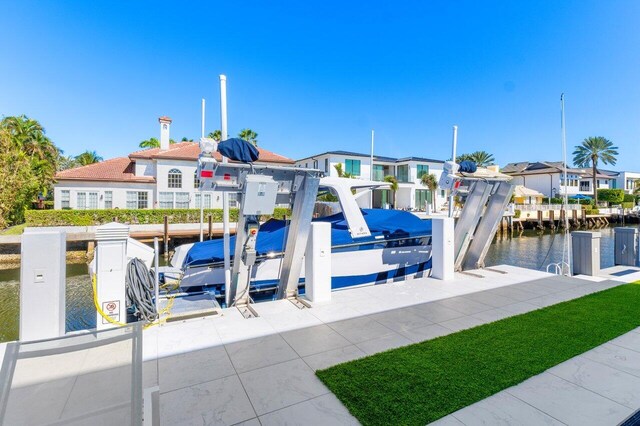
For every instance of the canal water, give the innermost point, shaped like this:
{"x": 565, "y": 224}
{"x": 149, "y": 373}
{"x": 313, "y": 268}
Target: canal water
{"x": 530, "y": 249}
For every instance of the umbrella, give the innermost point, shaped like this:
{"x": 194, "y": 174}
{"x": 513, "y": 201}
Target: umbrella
{"x": 581, "y": 197}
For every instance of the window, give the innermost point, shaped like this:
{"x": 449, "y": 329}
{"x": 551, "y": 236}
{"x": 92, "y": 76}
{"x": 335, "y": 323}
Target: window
{"x": 93, "y": 200}
{"x": 137, "y": 200}
{"x": 233, "y": 199}
{"x": 65, "y": 198}
{"x": 378, "y": 172}
{"x": 165, "y": 200}
{"x": 584, "y": 185}
{"x": 207, "y": 201}
{"x": 182, "y": 200}
{"x": 175, "y": 178}
{"x": 423, "y": 169}
{"x": 423, "y": 197}
{"x": 352, "y": 167}
{"x": 326, "y": 165}
{"x": 196, "y": 180}
{"x": 108, "y": 199}
{"x": 403, "y": 173}
{"x": 81, "y": 200}
{"x": 315, "y": 164}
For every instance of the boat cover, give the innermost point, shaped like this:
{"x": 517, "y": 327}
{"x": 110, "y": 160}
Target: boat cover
{"x": 383, "y": 224}
{"x": 238, "y": 150}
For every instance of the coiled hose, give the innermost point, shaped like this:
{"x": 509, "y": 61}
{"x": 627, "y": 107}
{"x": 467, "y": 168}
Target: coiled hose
{"x": 140, "y": 291}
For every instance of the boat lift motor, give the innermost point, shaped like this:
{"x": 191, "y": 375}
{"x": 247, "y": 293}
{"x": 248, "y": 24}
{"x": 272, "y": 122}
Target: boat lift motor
{"x": 448, "y": 179}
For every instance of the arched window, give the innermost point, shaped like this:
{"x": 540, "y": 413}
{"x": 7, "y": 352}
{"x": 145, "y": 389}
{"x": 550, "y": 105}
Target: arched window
{"x": 196, "y": 180}
{"x": 175, "y": 178}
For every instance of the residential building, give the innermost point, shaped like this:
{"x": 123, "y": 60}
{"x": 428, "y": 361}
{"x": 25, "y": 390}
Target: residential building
{"x": 547, "y": 177}
{"x": 411, "y": 194}
{"x": 628, "y": 181}
{"x": 163, "y": 177}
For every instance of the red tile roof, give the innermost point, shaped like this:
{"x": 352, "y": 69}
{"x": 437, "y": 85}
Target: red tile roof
{"x": 119, "y": 169}
{"x": 191, "y": 150}
{"x": 122, "y": 169}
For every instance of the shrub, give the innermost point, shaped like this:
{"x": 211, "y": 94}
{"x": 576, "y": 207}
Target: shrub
{"x": 628, "y": 205}
{"x": 517, "y": 213}
{"x": 614, "y": 196}
{"x": 99, "y": 217}
{"x": 629, "y": 198}
{"x": 592, "y": 211}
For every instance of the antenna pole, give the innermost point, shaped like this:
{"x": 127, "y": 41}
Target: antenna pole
{"x": 201, "y": 192}
{"x": 567, "y": 244}
{"x": 225, "y": 196}
{"x": 453, "y": 158}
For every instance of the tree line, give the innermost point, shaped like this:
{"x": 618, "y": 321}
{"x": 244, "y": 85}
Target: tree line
{"x": 246, "y": 134}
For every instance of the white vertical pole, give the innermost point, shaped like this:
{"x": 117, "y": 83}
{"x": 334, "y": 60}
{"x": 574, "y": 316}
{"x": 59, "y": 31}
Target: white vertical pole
{"x": 371, "y": 170}
{"x": 201, "y": 194}
{"x": 225, "y": 196}
{"x": 567, "y": 242}
{"x": 156, "y": 276}
{"x": 453, "y": 158}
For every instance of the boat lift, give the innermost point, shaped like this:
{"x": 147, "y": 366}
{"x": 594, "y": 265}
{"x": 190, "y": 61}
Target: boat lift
{"x": 487, "y": 199}
{"x": 260, "y": 188}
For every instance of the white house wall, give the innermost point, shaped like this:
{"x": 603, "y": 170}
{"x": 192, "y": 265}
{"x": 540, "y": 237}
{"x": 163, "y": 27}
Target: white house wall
{"x": 118, "y": 190}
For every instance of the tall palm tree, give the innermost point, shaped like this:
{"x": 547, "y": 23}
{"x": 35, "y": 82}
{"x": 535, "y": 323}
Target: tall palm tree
{"x": 216, "y": 135}
{"x": 393, "y": 187}
{"x": 431, "y": 182}
{"x": 88, "y": 157}
{"x": 481, "y": 158}
{"x": 249, "y": 136}
{"x": 592, "y": 150}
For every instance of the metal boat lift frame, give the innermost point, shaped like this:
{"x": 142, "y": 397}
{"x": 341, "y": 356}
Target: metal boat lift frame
{"x": 297, "y": 187}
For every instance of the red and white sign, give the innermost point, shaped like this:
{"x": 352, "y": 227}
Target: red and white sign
{"x": 112, "y": 309}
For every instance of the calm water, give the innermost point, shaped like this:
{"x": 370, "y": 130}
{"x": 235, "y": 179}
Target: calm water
{"x": 531, "y": 249}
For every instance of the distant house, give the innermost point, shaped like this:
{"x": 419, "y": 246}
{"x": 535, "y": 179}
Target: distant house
{"x": 628, "y": 181}
{"x": 162, "y": 177}
{"x": 411, "y": 193}
{"x": 547, "y": 177}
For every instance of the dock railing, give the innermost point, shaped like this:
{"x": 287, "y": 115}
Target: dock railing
{"x": 546, "y": 207}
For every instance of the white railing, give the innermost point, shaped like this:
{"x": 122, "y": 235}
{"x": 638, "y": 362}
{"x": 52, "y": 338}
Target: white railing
{"x": 546, "y": 207}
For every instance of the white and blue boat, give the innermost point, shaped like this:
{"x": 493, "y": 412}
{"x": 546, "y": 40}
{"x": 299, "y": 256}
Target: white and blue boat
{"x": 396, "y": 247}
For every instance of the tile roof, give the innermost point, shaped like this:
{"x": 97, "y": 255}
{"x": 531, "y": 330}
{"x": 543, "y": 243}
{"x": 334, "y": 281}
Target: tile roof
{"x": 119, "y": 169}
{"x": 191, "y": 150}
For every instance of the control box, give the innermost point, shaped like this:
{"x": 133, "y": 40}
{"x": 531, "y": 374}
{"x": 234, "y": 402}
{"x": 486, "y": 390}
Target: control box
{"x": 259, "y": 195}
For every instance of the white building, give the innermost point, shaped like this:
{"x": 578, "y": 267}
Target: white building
{"x": 628, "y": 180}
{"x": 547, "y": 178}
{"x": 411, "y": 193}
{"x": 162, "y": 177}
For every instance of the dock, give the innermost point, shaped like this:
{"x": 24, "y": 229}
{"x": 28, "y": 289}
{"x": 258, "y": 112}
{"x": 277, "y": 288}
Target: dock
{"x": 230, "y": 370}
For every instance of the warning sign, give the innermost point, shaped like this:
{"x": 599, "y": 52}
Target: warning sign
{"x": 112, "y": 309}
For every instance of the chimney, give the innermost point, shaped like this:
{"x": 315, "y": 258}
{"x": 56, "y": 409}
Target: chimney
{"x": 165, "y": 123}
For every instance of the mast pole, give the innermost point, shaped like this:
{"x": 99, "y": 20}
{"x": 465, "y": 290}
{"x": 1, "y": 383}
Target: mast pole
{"x": 201, "y": 192}
{"x": 225, "y": 196}
{"x": 453, "y": 158}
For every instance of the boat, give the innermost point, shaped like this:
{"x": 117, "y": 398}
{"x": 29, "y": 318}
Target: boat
{"x": 396, "y": 246}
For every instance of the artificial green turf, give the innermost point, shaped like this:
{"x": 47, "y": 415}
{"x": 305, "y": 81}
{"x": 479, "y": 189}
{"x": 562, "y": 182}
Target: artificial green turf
{"x": 420, "y": 383}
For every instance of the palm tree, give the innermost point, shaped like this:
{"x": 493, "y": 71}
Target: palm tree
{"x": 216, "y": 135}
{"x": 481, "y": 158}
{"x": 249, "y": 136}
{"x": 393, "y": 187}
{"x": 593, "y": 149}
{"x": 431, "y": 182}
{"x": 341, "y": 172}
{"x": 88, "y": 157}
{"x": 150, "y": 143}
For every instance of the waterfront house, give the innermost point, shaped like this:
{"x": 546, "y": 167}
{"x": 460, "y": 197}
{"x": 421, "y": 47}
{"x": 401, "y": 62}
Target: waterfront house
{"x": 547, "y": 177}
{"x": 163, "y": 177}
{"x": 411, "y": 194}
{"x": 628, "y": 181}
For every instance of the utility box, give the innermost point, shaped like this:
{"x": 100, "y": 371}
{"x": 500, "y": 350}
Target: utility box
{"x": 42, "y": 284}
{"x": 586, "y": 252}
{"x": 626, "y": 246}
{"x": 259, "y": 196}
{"x": 317, "y": 263}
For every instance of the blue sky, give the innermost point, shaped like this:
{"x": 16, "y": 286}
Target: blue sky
{"x": 318, "y": 76}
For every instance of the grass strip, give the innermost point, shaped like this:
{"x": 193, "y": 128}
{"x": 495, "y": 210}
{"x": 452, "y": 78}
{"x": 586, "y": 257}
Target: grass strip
{"x": 421, "y": 383}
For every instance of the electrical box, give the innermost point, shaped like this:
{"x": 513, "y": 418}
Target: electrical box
{"x": 626, "y": 246}
{"x": 259, "y": 195}
{"x": 585, "y": 246}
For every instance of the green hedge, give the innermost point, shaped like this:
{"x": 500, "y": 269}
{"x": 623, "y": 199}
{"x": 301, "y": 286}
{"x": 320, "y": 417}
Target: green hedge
{"x": 628, "y": 204}
{"x": 629, "y": 198}
{"x": 614, "y": 196}
{"x": 99, "y": 217}
{"x": 517, "y": 213}
{"x": 592, "y": 211}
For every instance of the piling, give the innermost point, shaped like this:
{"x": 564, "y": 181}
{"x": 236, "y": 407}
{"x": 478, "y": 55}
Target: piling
{"x": 210, "y": 227}
{"x": 165, "y": 237}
